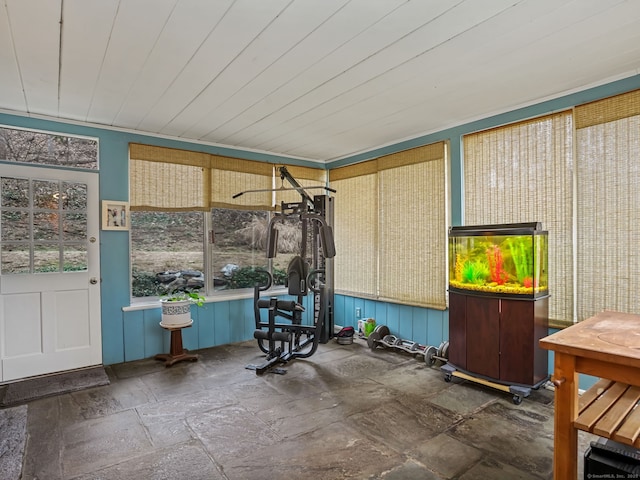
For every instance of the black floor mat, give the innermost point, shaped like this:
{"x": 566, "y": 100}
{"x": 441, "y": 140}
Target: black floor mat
{"x": 24, "y": 391}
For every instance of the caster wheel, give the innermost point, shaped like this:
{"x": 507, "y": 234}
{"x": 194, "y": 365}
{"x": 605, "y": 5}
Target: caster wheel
{"x": 517, "y": 400}
{"x": 429, "y": 355}
{"x": 447, "y": 377}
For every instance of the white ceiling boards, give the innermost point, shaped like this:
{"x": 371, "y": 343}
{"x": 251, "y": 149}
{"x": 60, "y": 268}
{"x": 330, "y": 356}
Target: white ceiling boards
{"x": 311, "y": 79}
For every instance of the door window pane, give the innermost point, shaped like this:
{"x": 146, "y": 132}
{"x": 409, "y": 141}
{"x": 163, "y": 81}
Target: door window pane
{"x": 74, "y": 226}
{"x": 15, "y": 225}
{"x": 75, "y": 258}
{"x": 15, "y": 259}
{"x": 45, "y": 226}
{"x": 46, "y": 194}
{"x": 46, "y": 258}
{"x": 15, "y": 192}
{"x": 74, "y": 196}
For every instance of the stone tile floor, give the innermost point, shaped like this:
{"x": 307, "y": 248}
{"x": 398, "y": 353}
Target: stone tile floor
{"x": 346, "y": 412}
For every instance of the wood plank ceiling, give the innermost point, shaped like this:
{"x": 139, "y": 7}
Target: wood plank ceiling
{"x": 310, "y": 79}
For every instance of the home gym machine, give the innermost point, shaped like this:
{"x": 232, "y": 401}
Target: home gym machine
{"x": 285, "y": 334}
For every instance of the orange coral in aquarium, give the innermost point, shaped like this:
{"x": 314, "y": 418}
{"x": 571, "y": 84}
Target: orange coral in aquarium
{"x": 497, "y": 273}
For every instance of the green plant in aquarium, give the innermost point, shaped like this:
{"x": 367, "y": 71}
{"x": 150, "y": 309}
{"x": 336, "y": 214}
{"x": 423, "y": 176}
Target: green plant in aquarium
{"x": 474, "y": 272}
{"x": 521, "y": 249}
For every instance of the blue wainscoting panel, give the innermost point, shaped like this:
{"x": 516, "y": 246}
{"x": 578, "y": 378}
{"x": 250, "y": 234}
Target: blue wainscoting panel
{"x": 423, "y": 325}
{"x": 236, "y": 320}
{"x": 392, "y": 319}
{"x": 221, "y": 312}
{"x": 419, "y": 325}
{"x": 134, "y": 336}
{"x": 437, "y": 321}
{"x": 206, "y": 326}
{"x": 190, "y": 335}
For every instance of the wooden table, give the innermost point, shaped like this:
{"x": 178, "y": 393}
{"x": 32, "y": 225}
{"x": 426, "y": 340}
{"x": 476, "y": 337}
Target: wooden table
{"x": 606, "y": 346}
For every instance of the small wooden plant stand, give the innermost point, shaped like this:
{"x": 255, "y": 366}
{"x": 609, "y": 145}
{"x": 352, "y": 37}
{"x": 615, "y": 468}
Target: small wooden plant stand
{"x": 176, "y": 353}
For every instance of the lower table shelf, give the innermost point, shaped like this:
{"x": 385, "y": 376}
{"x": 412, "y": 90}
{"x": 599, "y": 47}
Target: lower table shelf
{"x": 608, "y": 409}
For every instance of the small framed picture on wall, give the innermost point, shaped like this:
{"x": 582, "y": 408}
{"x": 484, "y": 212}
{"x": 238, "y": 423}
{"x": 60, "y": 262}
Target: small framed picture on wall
{"x": 115, "y": 215}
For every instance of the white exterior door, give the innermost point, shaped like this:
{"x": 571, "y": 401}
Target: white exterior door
{"x": 49, "y": 271}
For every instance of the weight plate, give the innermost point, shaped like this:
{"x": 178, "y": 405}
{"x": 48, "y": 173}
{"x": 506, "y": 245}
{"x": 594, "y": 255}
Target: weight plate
{"x": 383, "y": 330}
{"x": 429, "y": 355}
{"x": 373, "y": 339}
{"x": 445, "y": 351}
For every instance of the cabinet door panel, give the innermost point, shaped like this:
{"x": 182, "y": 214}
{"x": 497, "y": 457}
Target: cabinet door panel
{"x": 483, "y": 336}
{"x": 458, "y": 330}
{"x": 516, "y": 341}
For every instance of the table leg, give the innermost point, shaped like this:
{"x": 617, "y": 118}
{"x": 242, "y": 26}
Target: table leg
{"x": 565, "y": 452}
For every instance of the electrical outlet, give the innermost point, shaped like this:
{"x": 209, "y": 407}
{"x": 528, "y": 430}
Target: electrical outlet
{"x": 358, "y": 313}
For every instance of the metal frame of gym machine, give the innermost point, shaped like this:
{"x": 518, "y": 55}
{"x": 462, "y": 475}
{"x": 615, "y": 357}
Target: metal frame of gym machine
{"x": 283, "y": 341}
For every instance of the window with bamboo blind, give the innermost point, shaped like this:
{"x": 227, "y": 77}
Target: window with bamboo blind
{"x": 523, "y": 172}
{"x": 390, "y": 227}
{"x": 170, "y": 191}
{"x": 608, "y": 205}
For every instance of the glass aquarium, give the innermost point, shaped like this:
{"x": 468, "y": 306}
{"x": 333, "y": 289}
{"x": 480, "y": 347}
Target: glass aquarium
{"x": 501, "y": 260}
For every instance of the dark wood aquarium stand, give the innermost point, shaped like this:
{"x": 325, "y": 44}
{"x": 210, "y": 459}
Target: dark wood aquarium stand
{"x": 176, "y": 352}
{"x": 494, "y": 341}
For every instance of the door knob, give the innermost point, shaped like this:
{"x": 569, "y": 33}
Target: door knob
{"x": 93, "y": 280}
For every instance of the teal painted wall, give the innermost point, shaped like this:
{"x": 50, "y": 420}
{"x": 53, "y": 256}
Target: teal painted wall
{"x": 131, "y": 335}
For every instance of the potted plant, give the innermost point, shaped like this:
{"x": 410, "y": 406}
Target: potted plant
{"x": 176, "y": 307}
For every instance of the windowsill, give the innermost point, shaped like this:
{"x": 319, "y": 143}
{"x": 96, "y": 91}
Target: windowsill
{"x": 559, "y": 324}
{"x": 150, "y": 303}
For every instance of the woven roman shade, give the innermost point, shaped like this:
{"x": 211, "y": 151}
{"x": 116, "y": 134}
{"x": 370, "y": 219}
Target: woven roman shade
{"x": 390, "y": 218}
{"x": 356, "y": 229}
{"x": 169, "y": 179}
{"x": 306, "y": 177}
{"x": 230, "y": 176}
{"x": 523, "y": 172}
{"x": 608, "y": 199}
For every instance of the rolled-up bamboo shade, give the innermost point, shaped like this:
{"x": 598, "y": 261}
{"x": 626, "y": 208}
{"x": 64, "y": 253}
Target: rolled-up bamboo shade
{"x": 230, "y": 176}
{"x": 167, "y": 179}
{"x": 179, "y": 180}
{"x": 608, "y": 110}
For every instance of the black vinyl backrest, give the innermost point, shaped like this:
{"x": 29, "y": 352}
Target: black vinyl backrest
{"x": 297, "y": 276}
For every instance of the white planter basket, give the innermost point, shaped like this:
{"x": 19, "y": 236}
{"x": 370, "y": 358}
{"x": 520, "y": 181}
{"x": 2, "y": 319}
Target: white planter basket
{"x": 176, "y": 313}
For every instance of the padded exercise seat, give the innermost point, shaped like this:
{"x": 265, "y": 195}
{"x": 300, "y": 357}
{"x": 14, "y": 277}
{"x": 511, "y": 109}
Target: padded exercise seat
{"x": 286, "y": 305}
